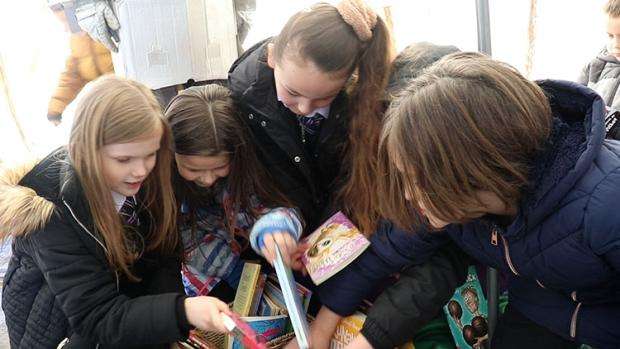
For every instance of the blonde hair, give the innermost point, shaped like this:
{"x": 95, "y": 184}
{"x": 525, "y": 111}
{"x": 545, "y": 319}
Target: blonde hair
{"x": 116, "y": 110}
{"x": 612, "y": 8}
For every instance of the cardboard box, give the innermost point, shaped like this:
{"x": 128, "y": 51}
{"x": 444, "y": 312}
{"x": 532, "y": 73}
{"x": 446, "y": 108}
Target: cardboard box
{"x": 167, "y": 42}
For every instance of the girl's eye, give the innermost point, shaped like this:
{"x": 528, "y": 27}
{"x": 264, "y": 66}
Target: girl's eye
{"x": 122, "y": 160}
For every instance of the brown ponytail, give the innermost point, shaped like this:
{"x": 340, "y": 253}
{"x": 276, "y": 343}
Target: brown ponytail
{"x": 326, "y": 37}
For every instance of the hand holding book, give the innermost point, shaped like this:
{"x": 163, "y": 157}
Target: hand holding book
{"x": 286, "y": 242}
{"x": 205, "y": 313}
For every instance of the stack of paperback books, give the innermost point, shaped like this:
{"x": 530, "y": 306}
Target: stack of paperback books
{"x": 261, "y": 303}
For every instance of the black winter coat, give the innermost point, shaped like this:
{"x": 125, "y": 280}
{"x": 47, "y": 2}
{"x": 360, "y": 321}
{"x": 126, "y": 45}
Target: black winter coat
{"x": 59, "y": 283}
{"x": 308, "y": 180}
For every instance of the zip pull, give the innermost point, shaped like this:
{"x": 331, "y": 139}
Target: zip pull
{"x": 494, "y": 237}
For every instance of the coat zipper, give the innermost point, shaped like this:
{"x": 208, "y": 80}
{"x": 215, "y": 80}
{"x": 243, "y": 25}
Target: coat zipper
{"x": 494, "y": 242}
{"x": 494, "y": 237}
{"x": 573, "y": 321}
{"x": 508, "y": 259}
{"x": 93, "y": 236}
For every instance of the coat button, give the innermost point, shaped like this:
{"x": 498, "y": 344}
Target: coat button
{"x": 263, "y": 123}
{"x": 251, "y": 116}
{"x": 297, "y": 159}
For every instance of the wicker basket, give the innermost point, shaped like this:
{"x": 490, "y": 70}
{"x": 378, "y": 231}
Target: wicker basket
{"x": 214, "y": 340}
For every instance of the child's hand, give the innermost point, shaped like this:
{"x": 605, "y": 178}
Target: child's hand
{"x": 286, "y": 243}
{"x": 205, "y": 313}
{"x": 321, "y": 330}
{"x": 359, "y": 342}
{"x": 296, "y": 263}
{"x": 279, "y": 226}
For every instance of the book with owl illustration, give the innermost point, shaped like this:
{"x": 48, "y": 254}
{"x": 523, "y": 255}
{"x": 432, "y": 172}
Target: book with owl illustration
{"x": 334, "y": 245}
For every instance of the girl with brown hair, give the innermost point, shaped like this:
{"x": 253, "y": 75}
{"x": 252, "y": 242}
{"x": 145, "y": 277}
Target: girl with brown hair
{"x": 95, "y": 250}
{"x": 226, "y": 199}
{"x": 520, "y": 175}
{"x": 312, "y": 98}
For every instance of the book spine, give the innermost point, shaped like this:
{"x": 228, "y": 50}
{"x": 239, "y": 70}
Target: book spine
{"x": 247, "y": 287}
{"x": 258, "y": 293}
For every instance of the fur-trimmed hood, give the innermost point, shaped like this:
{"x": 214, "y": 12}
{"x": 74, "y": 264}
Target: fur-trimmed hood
{"x": 22, "y": 210}
{"x": 30, "y": 193}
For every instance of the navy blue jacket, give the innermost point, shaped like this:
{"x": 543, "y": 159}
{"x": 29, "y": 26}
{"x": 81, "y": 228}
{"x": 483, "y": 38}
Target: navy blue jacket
{"x": 563, "y": 249}
{"x": 391, "y": 250}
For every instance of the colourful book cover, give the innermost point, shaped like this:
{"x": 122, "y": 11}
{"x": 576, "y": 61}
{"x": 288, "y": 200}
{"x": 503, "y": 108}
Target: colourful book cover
{"x": 266, "y": 327}
{"x": 269, "y": 307}
{"x": 467, "y": 313}
{"x": 349, "y": 327}
{"x": 275, "y": 295}
{"x": 334, "y": 245}
{"x": 246, "y": 289}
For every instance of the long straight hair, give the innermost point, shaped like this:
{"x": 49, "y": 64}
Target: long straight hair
{"x": 205, "y": 122}
{"x": 116, "y": 110}
{"x": 467, "y": 124}
{"x": 321, "y": 36}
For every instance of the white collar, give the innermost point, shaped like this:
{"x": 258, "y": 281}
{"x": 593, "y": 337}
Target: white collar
{"x": 119, "y": 200}
{"x": 324, "y": 111}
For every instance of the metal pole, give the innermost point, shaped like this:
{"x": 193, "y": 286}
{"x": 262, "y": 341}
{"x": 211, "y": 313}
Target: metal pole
{"x": 484, "y": 26}
{"x": 484, "y": 46}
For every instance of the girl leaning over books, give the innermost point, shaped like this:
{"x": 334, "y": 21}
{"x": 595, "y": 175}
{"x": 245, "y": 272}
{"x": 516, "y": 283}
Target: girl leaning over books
{"x": 528, "y": 185}
{"x": 227, "y": 202}
{"x": 95, "y": 260}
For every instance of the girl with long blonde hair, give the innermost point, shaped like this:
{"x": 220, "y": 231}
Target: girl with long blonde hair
{"x": 96, "y": 257}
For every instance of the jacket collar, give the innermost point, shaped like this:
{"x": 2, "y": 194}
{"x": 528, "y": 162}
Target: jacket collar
{"x": 577, "y": 135}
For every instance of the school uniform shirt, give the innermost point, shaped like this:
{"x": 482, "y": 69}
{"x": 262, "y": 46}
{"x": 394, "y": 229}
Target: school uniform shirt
{"x": 59, "y": 284}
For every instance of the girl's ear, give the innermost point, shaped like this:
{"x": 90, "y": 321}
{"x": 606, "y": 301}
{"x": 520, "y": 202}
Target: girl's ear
{"x": 271, "y": 61}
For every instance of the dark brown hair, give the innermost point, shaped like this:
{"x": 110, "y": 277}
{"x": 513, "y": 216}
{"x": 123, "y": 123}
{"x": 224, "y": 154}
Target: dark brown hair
{"x": 612, "y": 8}
{"x": 411, "y": 62}
{"x": 205, "y": 122}
{"x": 468, "y": 123}
{"x": 320, "y": 35}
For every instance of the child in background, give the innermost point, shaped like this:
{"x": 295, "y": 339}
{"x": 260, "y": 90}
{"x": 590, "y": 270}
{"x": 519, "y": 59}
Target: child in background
{"x": 227, "y": 200}
{"x": 87, "y": 61}
{"x": 527, "y": 185}
{"x": 602, "y": 74}
{"x": 95, "y": 247}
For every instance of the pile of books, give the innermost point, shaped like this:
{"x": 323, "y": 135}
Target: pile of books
{"x": 260, "y": 302}
{"x": 275, "y": 306}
